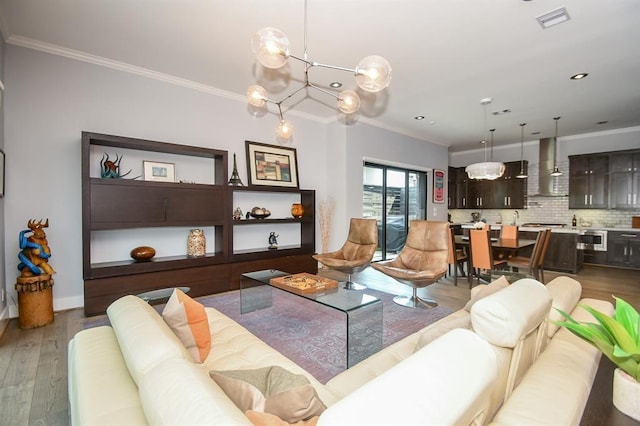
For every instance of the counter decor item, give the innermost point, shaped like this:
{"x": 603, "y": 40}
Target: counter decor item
{"x": 142, "y": 253}
{"x": 297, "y": 210}
{"x": 260, "y": 213}
{"x": 196, "y": 243}
{"x": 618, "y": 338}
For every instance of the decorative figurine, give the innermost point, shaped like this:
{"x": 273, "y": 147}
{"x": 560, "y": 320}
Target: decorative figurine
{"x": 237, "y": 214}
{"x": 273, "y": 240}
{"x": 235, "y": 180}
{"x": 260, "y": 213}
{"x": 34, "y": 285}
{"x": 111, "y": 169}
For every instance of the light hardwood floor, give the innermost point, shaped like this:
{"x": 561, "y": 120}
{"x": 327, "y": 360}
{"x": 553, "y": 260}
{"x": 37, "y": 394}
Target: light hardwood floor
{"x": 33, "y": 363}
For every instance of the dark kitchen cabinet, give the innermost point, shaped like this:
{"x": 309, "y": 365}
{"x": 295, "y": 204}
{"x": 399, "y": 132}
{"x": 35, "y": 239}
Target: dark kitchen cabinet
{"x": 478, "y": 194}
{"x": 563, "y": 254}
{"x": 451, "y": 188}
{"x": 509, "y": 192}
{"x": 623, "y": 249}
{"x": 589, "y": 181}
{"x": 625, "y": 180}
{"x": 459, "y": 194}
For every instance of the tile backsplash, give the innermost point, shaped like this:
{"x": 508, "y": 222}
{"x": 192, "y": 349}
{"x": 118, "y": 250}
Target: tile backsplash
{"x": 551, "y": 209}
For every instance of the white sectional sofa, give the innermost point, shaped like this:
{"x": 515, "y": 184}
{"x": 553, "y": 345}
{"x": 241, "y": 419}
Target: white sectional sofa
{"x": 501, "y": 362}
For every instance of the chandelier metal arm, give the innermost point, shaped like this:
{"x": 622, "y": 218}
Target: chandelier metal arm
{"x": 323, "y": 90}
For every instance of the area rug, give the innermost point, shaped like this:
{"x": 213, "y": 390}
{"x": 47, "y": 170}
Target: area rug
{"x": 310, "y": 334}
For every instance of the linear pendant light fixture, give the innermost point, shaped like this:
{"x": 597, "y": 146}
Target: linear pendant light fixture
{"x": 271, "y": 48}
{"x": 556, "y": 171}
{"x": 488, "y": 170}
{"x": 522, "y": 174}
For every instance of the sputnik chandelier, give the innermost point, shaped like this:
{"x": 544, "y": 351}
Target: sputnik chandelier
{"x": 271, "y": 48}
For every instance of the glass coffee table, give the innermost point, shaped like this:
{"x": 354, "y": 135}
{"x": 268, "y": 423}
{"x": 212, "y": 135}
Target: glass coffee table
{"x": 363, "y": 312}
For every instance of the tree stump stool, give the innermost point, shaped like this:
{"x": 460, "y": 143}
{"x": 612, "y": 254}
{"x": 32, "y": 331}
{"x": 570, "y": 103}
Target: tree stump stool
{"x": 35, "y": 301}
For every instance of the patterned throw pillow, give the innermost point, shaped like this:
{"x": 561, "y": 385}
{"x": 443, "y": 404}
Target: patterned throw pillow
{"x": 272, "y": 390}
{"x": 188, "y": 320}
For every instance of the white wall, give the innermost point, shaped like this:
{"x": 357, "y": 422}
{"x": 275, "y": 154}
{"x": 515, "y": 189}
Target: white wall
{"x": 4, "y": 312}
{"x": 50, "y": 100}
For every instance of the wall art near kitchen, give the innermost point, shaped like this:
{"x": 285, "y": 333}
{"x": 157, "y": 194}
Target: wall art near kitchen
{"x": 271, "y": 165}
{"x": 438, "y": 186}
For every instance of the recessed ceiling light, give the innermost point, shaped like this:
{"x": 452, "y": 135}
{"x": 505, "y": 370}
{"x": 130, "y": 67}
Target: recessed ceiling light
{"x": 504, "y": 111}
{"x": 535, "y": 133}
{"x": 602, "y": 122}
{"x": 419, "y": 117}
{"x": 335, "y": 84}
{"x": 554, "y": 17}
{"x": 432, "y": 123}
{"x": 579, "y": 76}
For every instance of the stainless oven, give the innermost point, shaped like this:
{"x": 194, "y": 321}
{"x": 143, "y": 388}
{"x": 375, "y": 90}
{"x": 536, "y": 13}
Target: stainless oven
{"x": 592, "y": 239}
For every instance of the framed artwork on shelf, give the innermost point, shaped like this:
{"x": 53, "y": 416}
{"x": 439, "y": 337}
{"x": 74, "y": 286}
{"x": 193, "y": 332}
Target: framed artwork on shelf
{"x": 1, "y": 173}
{"x": 438, "y": 186}
{"x": 159, "y": 172}
{"x": 271, "y": 165}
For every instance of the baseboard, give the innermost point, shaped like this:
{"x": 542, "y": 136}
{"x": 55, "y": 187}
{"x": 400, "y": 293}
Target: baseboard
{"x": 59, "y": 304}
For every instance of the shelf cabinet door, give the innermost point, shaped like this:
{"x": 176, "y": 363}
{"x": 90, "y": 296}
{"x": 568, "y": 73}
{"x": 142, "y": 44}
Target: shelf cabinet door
{"x": 126, "y": 206}
{"x": 194, "y": 206}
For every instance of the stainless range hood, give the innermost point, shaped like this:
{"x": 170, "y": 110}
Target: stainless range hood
{"x": 547, "y": 184}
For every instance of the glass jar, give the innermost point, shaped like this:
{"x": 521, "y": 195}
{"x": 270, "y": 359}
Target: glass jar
{"x": 297, "y": 210}
{"x": 196, "y": 243}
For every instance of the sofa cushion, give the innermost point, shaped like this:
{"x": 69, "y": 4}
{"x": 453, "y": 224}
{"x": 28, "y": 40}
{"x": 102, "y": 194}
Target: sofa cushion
{"x": 259, "y": 418}
{"x": 442, "y": 327}
{"x": 144, "y": 338}
{"x": 180, "y": 392}
{"x": 188, "y": 320}
{"x": 439, "y": 384}
{"x": 503, "y": 318}
{"x": 482, "y": 291}
{"x": 273, "y": 390}
{"x": 565, "y": 292}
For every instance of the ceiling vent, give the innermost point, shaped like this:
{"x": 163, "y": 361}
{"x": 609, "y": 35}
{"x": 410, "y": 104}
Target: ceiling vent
{"x": 555, "y": 17}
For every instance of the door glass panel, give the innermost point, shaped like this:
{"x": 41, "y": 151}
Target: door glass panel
{"x": 394, "y": 197}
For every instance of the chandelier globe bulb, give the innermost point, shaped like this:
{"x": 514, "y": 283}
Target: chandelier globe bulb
{"x": 373, "y": 73}
{"x": 271, "y": 47}
{"x": 285, "y": 129}
{"x": 256, "y": 95}
{"x": 348, "y": 101}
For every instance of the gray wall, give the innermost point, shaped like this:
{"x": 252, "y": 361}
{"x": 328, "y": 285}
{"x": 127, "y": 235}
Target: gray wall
{"x": 50, "y": 100}
{"x": 4, "y": 313}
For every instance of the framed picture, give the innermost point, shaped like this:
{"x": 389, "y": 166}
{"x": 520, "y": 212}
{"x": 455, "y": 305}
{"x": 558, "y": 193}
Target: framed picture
{"x": 159, "y": 172}
{"x": 271, "y": 165}
{"x": 1, "y": 173}
{"x": 438, "y": 186}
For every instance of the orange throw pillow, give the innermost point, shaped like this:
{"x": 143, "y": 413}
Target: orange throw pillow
{"x": 188, "y": 320}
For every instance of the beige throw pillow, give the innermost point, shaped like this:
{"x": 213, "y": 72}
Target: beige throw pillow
{"x": 188, "y": 320}
{"x": 272, "y": 390}
{"x": 441, "y": 327}
{"x": 487, "y": 290}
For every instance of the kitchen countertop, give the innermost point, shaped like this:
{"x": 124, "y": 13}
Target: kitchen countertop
{"x": 557, "y": 229}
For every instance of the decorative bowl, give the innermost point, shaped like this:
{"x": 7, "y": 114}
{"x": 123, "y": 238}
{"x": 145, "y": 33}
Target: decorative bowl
{"x": 142, "y": 253}
{"x": 260, "y": 215}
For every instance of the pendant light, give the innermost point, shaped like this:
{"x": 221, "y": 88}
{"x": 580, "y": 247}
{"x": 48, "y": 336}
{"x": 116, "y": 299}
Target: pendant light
{"x": 556, "y": 171}
{"x": 488, "y": 170}
{"x": 522, "y": 174}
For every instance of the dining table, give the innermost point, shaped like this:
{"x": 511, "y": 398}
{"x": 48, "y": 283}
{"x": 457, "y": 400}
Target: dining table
{"x": 501, "y": 245}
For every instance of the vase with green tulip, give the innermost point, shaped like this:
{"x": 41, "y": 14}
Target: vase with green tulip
{"x": 618, "y": 337}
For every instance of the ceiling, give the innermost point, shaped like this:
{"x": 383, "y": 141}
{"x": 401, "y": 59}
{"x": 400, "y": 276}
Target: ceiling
{"x": 446, "y": 56}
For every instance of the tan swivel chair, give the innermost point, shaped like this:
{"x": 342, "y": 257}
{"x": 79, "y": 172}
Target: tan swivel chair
{"x": 356, "y": 253}
{"x": 530, "y": 263}
{"x": 457, "y": 258}
{"x": 482, "y": 252}
{"x": 421, "y": 262}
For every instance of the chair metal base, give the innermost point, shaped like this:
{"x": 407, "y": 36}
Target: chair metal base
{"x": 350, "y": 285}
{"x": 415, "y": 302}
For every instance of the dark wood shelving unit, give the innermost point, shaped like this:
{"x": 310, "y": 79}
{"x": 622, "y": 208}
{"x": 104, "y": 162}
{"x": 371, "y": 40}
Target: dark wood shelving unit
{"x": 126, "y": 204}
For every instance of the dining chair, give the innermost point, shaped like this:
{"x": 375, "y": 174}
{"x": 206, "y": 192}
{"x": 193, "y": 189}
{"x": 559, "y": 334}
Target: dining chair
{"x": 482, "y": 252}
{"x": 421, "y": 262}
{"x": 356, "y": 253}
{"x": 508, "y": 232}
{"x": 529, "y": 263}
{"x": 458, "y": 257}
{"x": 542, "y": 254}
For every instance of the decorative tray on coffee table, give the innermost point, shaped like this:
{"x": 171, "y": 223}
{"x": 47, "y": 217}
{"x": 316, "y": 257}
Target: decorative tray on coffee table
{"x": 304, "y": 283}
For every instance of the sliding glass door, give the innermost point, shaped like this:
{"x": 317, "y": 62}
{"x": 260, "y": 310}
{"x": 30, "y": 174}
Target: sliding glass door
{"x": 393, "y": 196}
